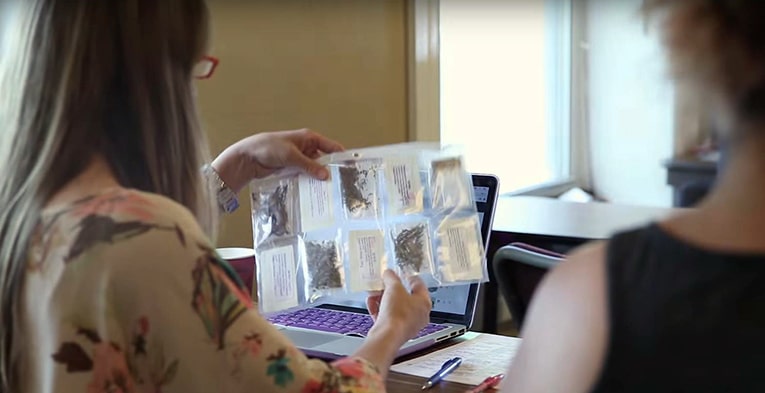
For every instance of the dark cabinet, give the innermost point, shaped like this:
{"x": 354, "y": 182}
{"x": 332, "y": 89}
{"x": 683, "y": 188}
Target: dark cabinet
{"x": 691, "y": 179}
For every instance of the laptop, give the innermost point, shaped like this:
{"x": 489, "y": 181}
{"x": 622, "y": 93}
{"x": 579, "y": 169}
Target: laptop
{"x": 336, "y": 327}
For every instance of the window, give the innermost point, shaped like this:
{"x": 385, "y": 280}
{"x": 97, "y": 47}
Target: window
{"x": 504, "y": 83}
{"x": 8, "y": 12}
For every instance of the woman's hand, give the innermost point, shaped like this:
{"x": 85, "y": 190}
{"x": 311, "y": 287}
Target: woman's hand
{"x": 399, "y": 309}
{"x": 262, "y": 154}
{"x": 399, "y": 315}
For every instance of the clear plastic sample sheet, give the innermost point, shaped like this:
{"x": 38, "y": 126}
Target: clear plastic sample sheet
{"x": 407, "y": 207}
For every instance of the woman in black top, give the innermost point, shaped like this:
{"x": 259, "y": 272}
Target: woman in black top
{"x": 678, "y": 306}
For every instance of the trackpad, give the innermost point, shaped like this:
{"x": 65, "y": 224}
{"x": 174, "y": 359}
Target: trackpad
{"x": 345, "y": 346}
{"x": 310, "y": 339}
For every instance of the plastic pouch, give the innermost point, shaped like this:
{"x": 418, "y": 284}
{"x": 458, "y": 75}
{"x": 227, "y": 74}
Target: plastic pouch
{"x": 460, "y": 254}
{"x": 366, "y": 259}
{"x": 360, "y": 189}
{"x": 317, "y": 204}
{"x": 409, "y": 207}
{"x": 274, "y": 208}
{"x": 450, "y": 184}
{"x": 403, "y": 185}
{"x": 277, "y": 272}
{"x": 411, "y": 247}
{"x": 323, "y": 267}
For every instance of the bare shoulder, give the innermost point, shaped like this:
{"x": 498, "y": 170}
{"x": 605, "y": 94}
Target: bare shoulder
{"x": 589, "y": 258}
{"x": 565, "y": 333}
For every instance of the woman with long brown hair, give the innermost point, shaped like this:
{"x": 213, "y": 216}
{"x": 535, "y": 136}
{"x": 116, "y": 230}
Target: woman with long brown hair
{"x": 109, "y": 281}
{"x": 679, "y": 305}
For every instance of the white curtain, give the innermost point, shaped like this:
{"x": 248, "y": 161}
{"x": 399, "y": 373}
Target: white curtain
{"x": 581, "y": 149}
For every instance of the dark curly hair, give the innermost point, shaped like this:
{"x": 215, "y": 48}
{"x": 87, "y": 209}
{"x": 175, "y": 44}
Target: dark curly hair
{"x": 718, "y": 46}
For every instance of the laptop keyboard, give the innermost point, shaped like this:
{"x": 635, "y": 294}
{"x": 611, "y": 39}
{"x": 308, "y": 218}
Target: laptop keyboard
{"x": 337, "y": 322}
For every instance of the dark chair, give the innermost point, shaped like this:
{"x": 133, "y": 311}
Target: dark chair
{"x": 518, "y": 269}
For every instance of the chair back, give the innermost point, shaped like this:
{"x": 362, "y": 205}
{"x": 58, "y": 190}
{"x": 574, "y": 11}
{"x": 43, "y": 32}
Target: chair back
{"x": 518, "y": 269}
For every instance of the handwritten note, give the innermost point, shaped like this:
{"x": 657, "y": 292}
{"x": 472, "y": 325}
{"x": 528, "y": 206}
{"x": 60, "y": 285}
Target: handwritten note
{"x": 483, "y": 355}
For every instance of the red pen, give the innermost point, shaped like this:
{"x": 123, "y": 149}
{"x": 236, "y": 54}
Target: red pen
{"x": 488, "y": 383}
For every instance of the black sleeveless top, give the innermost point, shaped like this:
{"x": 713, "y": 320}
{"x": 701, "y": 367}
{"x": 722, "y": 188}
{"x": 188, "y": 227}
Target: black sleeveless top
{"x": 682, "y": 319}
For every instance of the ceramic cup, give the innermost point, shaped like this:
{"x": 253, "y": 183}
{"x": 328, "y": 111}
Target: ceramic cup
{"x": 243, "y": 262}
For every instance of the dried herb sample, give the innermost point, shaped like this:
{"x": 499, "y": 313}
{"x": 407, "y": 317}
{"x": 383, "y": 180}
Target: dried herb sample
{"x": 272, "y": 211}
{"x": 410, "y": 248}
{"x": 322, "y": 261}
{"x": 358, "y": 187}
{"x": 447, "y": 165}
{"x": 448, "y": 186}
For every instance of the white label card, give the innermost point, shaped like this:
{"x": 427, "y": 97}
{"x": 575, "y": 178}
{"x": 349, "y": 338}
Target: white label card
{"x": 367, "y": 259}
{"x": 315, "y": 203}
{"x": 460, "y": 251}
{"x": 278, "y": 284}
{"x": 404, "y": 188}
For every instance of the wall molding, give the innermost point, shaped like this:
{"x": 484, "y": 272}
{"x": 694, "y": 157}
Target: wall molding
{"x": 581, "y": 155}
{"x": 423, "y": 76}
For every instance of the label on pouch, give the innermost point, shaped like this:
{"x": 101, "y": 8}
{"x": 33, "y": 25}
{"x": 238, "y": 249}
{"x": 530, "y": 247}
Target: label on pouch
{"x": 367, "y": 260}
{"x": 315, "y": 203}
{"x": 459, "y": 250}
{"x": 403, "y": 185}
{"x": 278, "y": 281}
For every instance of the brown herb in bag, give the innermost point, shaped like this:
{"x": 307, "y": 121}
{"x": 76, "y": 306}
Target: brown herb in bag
{"x": 409, "y": 246}
{"x": 322, "y": 261}
{"x": 271, "y": 211}
{"x": 355, "y": 183}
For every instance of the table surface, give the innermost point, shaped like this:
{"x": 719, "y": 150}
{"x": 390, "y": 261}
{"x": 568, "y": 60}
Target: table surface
{"x": 404, "y": 383}
{"x": 398, "y": 382}
{"x": 553, "y": 217}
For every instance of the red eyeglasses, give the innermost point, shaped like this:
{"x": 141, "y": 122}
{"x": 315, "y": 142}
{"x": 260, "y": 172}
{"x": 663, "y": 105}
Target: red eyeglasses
{"x": 206, "y": 67}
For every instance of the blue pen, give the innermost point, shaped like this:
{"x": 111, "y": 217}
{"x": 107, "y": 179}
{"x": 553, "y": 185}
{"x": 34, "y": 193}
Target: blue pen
{"x": 445, "y": 370}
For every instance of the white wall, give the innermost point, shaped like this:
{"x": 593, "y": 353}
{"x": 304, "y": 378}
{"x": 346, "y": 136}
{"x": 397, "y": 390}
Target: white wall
{"x": 631, "y": 108}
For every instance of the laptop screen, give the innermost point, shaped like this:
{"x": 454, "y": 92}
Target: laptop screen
{"x": 450, "y": 302}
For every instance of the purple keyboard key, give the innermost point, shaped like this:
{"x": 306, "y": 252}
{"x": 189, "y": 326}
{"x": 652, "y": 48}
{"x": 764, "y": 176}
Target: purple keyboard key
{"x": 337, "y": 322}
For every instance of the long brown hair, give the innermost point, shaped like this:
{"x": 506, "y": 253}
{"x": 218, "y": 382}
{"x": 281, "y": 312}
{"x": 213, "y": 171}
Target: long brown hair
{"x": 717, "y": 47}
{"x": 83, "y": 78}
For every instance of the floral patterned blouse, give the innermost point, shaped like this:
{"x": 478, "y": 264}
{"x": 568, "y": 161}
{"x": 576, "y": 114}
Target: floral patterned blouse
{"x": 123, "y": 293}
